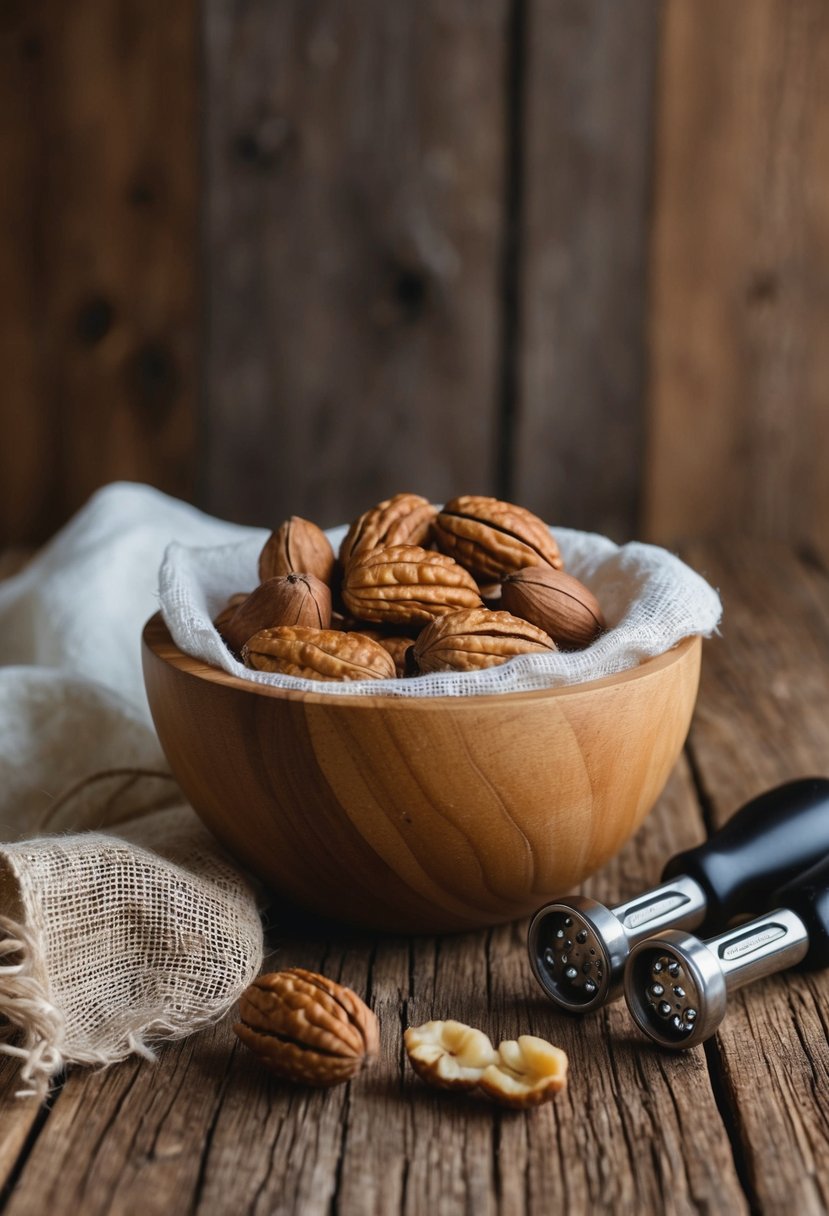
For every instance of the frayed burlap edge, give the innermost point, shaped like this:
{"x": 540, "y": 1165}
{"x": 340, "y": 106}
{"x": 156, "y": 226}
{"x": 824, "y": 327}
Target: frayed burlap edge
{"x": 24, "y": 1000}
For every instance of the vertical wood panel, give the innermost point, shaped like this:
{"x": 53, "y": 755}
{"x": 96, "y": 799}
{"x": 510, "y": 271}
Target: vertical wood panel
{"x": 99, "y": 165}
{"x": 587, "y": 98}
{"x": 353, "y": 232}
{"x": 740, "y": 293}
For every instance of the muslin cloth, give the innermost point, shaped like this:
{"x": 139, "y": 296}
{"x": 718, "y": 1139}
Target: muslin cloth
{"x": 121, "y": 921}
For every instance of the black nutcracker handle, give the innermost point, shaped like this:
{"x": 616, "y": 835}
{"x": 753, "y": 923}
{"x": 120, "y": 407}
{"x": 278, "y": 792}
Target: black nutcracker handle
{"x": 808, "y": 896}
{"x": 764, "y": 845}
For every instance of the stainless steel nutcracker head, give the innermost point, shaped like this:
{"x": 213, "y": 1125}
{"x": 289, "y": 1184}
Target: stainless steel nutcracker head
{"x": 578, "y": 948}
{"x": 677, "y": 986}
{"x": 577, "y": 952}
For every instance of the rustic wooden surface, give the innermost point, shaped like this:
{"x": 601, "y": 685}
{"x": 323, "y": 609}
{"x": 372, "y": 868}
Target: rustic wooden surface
{"x": 275, "y": 256}
{"x": 98, "y": 253}
{"x": 739, "y": 296}
{"x": 355, "y": 178}
{"x": 738, "y": 1126}
{"x": 585, "y": 138}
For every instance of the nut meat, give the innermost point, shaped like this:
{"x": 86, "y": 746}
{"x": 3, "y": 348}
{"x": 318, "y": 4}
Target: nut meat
{"x": 529, "y": 1071}
{"x": 297, "y": 546}
{"x": 318, "y": 654}
{"x": 522, "y": 1073}
{"x": 555, "y": 602}
{"x": 405, "y": 519}
{"x": 306, "y": 1028}
{"x": 405, "y": 584}
{"x": 491, "y": 538}
{"x": 449, "y": 1054}
{"x": 474, "y": 639}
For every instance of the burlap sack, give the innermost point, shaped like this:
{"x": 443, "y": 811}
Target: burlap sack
{"x": 121, "y": 921}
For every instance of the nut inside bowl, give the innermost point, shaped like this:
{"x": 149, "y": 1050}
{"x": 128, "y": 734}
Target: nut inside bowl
{"x": 421, "y": 814}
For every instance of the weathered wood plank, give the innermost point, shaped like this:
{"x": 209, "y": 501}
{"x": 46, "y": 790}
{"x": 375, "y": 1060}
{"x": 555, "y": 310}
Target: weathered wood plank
{"x": 586, "y": 126}
{"x": 205, "y": 1130}
{"x": 98, "y": 257}
{"x": 20, "y": 1119}
{"x": 28, "y": 455}
{"x": 739, "y": 295}
{"x": 355, "y": 174}
{"x": 763, "y": 719}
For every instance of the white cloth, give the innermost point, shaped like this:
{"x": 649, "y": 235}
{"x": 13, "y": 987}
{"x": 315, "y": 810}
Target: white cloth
{"x": 107, "y": 941}
{"x": 650, "y": 598}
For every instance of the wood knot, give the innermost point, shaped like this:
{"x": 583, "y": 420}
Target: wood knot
{"x": 94, "y": 321}
{"x": 153, "y": 381}
{"x": 263, "y": 145}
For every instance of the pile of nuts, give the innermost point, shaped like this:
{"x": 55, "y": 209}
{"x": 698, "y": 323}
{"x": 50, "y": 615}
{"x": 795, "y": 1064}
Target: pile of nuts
{"x": 306, "y": 1028}
{"x": 413, "y": 590}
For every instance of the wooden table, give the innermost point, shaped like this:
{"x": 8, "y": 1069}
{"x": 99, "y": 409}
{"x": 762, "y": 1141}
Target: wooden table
{"x": 739, "y": 1125}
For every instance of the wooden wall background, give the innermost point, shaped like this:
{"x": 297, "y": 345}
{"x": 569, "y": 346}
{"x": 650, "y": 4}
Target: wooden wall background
{"x": 284, "y": 256}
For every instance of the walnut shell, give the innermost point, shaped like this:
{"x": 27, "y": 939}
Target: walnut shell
{"x": 293, "y": 599}
{"x": 405, "y": 519}
{"x": 491, "y": 538}
{"x": 227, "y": 612}
{"x": 555, "y": 602}
{"x": 318, "y": 654}
{"x": 297, "y": 546}
{"x": 396, "y": 644}
{"x": 405, "y": 584}
{"x": 306, "y": 1028}
{"x": 474, "y": 639}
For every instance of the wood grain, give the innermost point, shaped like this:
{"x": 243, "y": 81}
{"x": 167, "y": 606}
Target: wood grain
{"x": 739, "y": 296}
{"x": 586, "y": 125}
{"x": 206, "y": 1129}
{"x": 763, "y": 720}
{"x": 354, "y": 181}
{"x": 98, "y": 316}
{"x": 428, "y": 813}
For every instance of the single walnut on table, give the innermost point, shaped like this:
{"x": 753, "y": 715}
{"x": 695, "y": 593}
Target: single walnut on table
{"x": 307, "y": 1028}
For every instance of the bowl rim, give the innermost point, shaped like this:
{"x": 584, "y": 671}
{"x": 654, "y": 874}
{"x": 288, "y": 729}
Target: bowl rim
{"x": 157, "y": 640}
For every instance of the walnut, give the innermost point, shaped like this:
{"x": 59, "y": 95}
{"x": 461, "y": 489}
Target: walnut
{"x": 449, "y": 1054}
{"x": 529, "y": 1071}
{"x": 405, "y": 519}
{"x": 491, "y": 538}
{"x": 318, "y": 654}
{"x": 555, "y": 602}
{"x": 229, "y": 609}
{"x": 406, "y": 584}
{"x": 293, "y": 599}
{"x": 297, "y": 546}
{"x": 474, "y": 639}
{"x": 522, "y": 1073}
{"x": 396, "y": 644}
{"x": 306, "y": 1028}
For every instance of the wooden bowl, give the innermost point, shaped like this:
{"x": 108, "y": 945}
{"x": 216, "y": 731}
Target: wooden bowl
{"x": 425, "y": 814}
